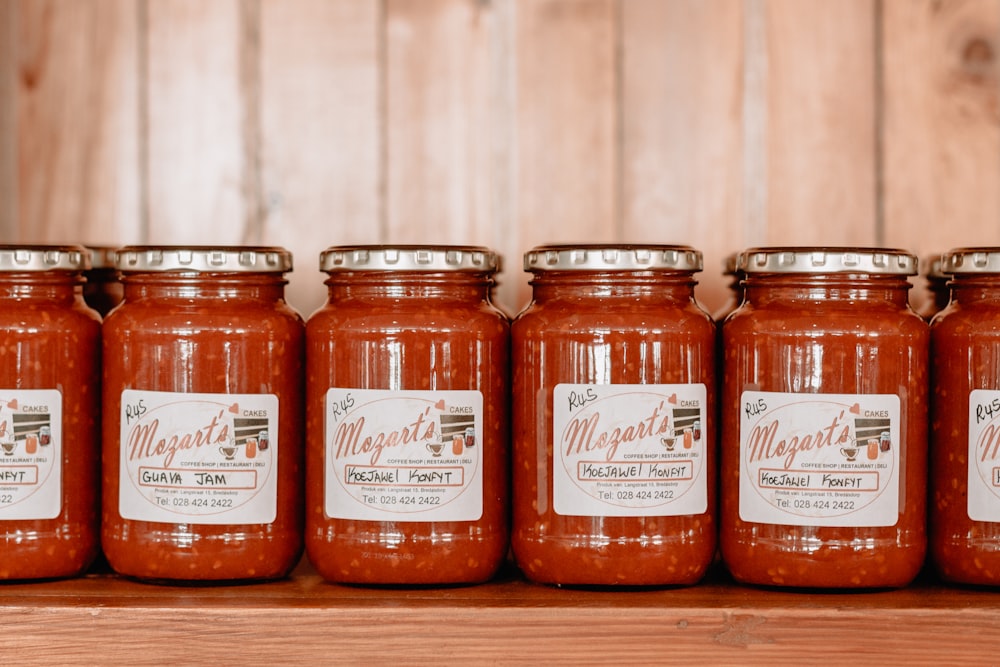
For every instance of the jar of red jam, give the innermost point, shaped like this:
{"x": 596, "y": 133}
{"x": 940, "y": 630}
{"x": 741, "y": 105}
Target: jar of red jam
{"x": 824, "y": 421}
{"x": 965, "y": 431}
{"x": 50, "y": 370}
{"x": 203, "y": 434}
{"x": 614, "y": 418}
{"x": 407, "y": 417}
{"x": 102, "y": 290}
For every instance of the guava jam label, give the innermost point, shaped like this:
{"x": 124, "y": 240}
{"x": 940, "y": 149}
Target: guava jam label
{"x": 198, "y": 458}
{"x": 984, "y": 455}
{"x": 403, "y": 455}
{"x": 819, "y": 459}
{"x": 629, "y": 450}
{"x": 30, "y": 453}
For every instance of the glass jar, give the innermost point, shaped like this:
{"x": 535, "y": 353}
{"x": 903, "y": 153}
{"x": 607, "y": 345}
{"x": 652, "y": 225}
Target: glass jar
{"x": 824, "y": 421}
{"x": 965, "y": 371}
{"x": 102, "y": 291}
{"x": 614, "y": 418}
{"x": 50, "y": 370}
{"x": 407, "y": 417}
{"x": 203, "y": 383}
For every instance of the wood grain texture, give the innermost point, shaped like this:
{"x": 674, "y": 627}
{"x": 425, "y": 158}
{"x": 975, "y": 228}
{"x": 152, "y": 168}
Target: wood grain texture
{"x": 201, "y": 171}
{"x": 821, "y": 120}
{"x": 682, "y": 130}
{"x": 8, "y": 121}
{"x": 438, "y": 121}
{"x": 448, "y": 128}
{"x": 941, "y": 128}
{"x": 102, "y": 619}
{"x": 76, "y": 121}
{"x": 567, "y": 126}
{"x": 320, "y": 113}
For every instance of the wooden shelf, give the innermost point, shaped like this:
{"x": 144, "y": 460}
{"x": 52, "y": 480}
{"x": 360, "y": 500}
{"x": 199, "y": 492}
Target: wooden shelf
{"x": 104, "y": 619}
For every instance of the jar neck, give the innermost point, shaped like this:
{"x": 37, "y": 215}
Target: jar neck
{"x": 736, "y": 288}
{"x": 968, "y": 289}
{"x": 765, "y": 288}
{"x": 204, "y": 286}
{"x": 61, "y": 286}
{"x": 465, "y": 286}
{"x": 674, "y": 286}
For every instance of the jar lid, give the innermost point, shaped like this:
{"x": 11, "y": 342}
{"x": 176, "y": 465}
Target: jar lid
{"x": 971, "y": 260}
{"x": 44, "y": 258}
{"x": 729, "y": 264}
{"x": 935, "y": 267}
{"x": 204, "y": 259}
{"x": 102, "y": 256}
{"x": 408, "y": 258}
{"x": 612, "y": 258}
{"x": 816, "y": 260}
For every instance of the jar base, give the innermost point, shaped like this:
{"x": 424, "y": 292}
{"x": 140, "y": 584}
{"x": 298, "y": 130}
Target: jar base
{"x": 573, "y": 561}
{"x": 45, "y": 556}
{"x": 190, "y": 557}
{"x": 413, "y": 563}
{"x": 967, "y": 562}
{"x": 824, "y": 564}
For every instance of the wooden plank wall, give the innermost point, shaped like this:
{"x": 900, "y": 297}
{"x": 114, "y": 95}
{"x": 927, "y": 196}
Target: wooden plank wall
{"x": 307, "y": 123}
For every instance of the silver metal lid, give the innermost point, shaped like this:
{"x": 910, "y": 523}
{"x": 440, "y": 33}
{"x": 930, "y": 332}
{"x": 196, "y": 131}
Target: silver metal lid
{"x": 612, "y": 258}
{"x": 820, "y": 260}
{"x": 971, "y": 260}
{"x": 408, "y": 258}
{"x": 729, "y": 264}
{"x": 44, "y": 258}
{"x": 102, "y": 257}
{"x": 204, "y": 259}
{"x": 934, "y": 265}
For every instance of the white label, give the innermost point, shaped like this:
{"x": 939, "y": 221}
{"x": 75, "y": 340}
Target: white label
{"x": 198, "y": 458}
{"x": 819, "y": 459}
{"x": 984, "y": 455}
{"x": 404, "y": 455}
{"x": 629, "y": 450}
{"x": 30, "y": 453}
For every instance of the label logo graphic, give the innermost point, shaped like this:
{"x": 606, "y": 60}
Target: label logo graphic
{"x": 30, "y": 454}
{"x": 198, "y": 458}
{"x": 984, "y": 455}
{"x": 404, "y": 455}
{"x": 629, "y": 450}
{"x": 819, "y": 459}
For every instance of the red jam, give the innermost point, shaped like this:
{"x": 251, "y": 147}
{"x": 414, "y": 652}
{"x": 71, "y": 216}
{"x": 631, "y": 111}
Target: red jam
{"x": 50, "y": 365}
{"x": 203, "y": 453}
{"x": 407, "y": 418}
{"x": 824, "y": 421}
{"x": 965, "y": 429}
{"x": 614, "y": 418}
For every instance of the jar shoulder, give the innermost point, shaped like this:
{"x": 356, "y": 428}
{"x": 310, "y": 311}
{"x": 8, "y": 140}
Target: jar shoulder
{"x": 635, "y": 317}
{"x": 71, "y": 316}
{"x": 817, "y": 318}
{"x": 981, "y": 316}
{"x": 157, "y": 319}
{"x": 406, "y": 317}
